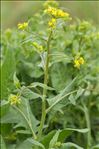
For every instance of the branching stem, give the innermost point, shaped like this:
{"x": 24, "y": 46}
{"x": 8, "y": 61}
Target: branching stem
{"x": 45, "y": 89}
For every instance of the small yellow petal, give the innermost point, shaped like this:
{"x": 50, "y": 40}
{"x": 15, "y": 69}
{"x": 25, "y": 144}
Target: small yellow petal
{"x": 22, "y": 26}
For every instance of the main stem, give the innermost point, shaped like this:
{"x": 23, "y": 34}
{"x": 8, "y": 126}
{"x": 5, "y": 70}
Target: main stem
{"x": 45, "y": 90}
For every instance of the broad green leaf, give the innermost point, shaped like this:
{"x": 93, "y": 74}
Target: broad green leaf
{"x": 59, "y": 57}
{"x": 26, "y": 113}
{"x": 60, "y": 100}
{"x": 69, "y": 145}
{"x": 79, "y": 93}
{"x": 60, "y": 54}
{"x": 24, "y": 145}
{"x": 12, "y": 116}
{"x": 32, "y": 69}
{"x": 29, "y": 94}
{"x": 22, "y": 116}
{"x": 30, "y": 143}
{"x": 46, "y": 139}
{"x": 60, "y": 136}
{"x": 4, "y": 107}
{"x": 11, "y": 146}
{"x": 62, "y": 93}
{"x": 66, "y": 132}
{"x": 73, "y": 98}
{"x": 59, "y": 76}
{"x": 35, "y": 84}
{"x": 57, "y": 102}
{"x": 7, "y": 71}
{"x": 36, "y": 143}
{"x": 95, "y": 147}
{"x": 54, "y": 139}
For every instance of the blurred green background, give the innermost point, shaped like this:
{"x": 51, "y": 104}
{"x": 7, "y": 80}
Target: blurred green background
{"x": 13, "y": 12}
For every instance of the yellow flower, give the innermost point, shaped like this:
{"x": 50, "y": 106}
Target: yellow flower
{"x": 35, "y": 44}
{"x": 50, "y": 3}
{"x": 58, "y": 13}
{"x": 61, "y": 13}
{"x": 78, "y": 62}
{"x": 22, "y": 26}
{"x": 52, "y": 23}
{"x": 14, "y": 99}
{"x": 39, "y": 47}
{"x": 81, "y": 60}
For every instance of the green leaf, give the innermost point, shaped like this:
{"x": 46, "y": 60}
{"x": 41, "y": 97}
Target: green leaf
{"x": 79, "y": 93}
{"x": 32, "y": 69}
{"x": 57, "y": 102}
{"x": 12, "y": 116}
{"x": 35, "y": 84}
{"x": 96, "y": 146}
{"x": 58, "y": 99}
{"x": 69, "y": 145}
{"x": 22, "y": 116}
{"x": 11, "y": 146}
{"x": 72, "y": 99}
{"x": 24, "y": 145}
{"x": 66, "y": 132}
{"x": 46, "y": 139}
{"x": 59, "y": 76}
{"x": 29, "y": 94}
{"x": 62, "y": 93}
{"x": 59, "y": 57}
{"x": 7, "y": 71}
{"x": 30, "y": 143}
{"x": 16, "y": 81}
{"x": 36, "y": 143}
{"x": 22, "y": 131}
{"x": 25, "y": 112}
{"x": 4, "y": 107}
{"x": 54, "y": 139}
{"x": 59, "y": 136}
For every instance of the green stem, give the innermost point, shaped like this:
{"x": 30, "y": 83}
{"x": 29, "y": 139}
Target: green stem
{"x": 29, "y": 124}
{"x": 45, "y": 90}
{"x": 88, "y": 126}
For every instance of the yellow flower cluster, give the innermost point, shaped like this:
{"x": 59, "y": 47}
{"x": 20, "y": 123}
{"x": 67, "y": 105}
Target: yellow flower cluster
{"x": 58, "y": 13}
{"x": 52, "y": 23}
{"x": 39, "y": 47}
{"x": 22, "y": 26}
{"x": 50, "y": 3}
{"x": 14, "y": 99}
{"x": 79, "y": 61}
